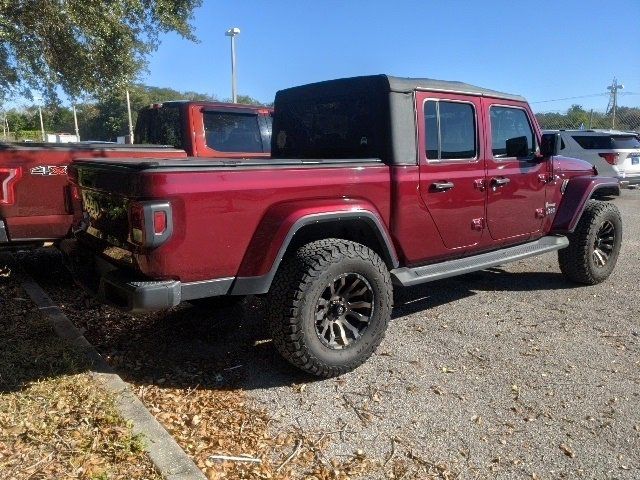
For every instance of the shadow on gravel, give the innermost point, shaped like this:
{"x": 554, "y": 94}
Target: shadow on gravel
{"x": 227, "y": 348}
{"x": 429, "y": 295}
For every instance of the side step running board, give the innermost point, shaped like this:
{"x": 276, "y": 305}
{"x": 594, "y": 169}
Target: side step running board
{"x": 428, "y": 273}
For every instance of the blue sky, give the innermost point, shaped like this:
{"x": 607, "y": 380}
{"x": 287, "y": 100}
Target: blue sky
{"x": 540, "y": 49}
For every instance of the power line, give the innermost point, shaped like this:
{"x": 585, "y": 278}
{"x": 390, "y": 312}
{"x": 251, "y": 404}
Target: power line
{"x": 572, "y": 98}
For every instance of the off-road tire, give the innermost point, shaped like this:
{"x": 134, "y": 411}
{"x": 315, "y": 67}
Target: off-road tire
{"x": 577, "y": 260}
{"x": 293, "y": 298}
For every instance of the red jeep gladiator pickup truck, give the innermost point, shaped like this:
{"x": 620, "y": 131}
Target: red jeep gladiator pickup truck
{"x": 374, "y": 182}
{"x": 34, "y": 195}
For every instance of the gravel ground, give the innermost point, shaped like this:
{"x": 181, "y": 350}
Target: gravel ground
{"x": 505, "y": 373}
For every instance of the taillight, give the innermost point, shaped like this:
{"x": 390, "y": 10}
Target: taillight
{"x": 611, "y": 158}
{"x": 150, "y": 223}
{"x": 159, "y": 222}
{"x": 137, "y": 223}
{"x": 8, "y": 179}
{"x": 75, "y": 193}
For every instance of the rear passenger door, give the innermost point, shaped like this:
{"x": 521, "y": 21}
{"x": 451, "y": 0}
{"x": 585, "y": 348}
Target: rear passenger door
{"x": 516, "y": 176}
{"x": 451, "y": 166}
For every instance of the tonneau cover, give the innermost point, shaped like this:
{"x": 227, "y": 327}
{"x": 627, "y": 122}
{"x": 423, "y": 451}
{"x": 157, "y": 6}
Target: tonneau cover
{"x": 194, "y": 163}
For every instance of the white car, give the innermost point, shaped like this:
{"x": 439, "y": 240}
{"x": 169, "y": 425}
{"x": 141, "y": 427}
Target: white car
{"x": 614, "y": 153}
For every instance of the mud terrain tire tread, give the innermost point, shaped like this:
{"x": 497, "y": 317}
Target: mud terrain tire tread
{"x": 576, "y": 261}
{"x": 297, "y": 276}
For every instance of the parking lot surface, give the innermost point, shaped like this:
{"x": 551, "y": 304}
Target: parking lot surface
{"x": 506, "y": 373}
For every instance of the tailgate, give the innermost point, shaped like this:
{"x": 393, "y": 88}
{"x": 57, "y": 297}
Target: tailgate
{"x": 106, "y": 192}
{"x": 106, "y": 216}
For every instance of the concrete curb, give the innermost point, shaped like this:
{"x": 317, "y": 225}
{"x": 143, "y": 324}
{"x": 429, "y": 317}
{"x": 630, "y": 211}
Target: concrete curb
{"x": 166, "y": 455}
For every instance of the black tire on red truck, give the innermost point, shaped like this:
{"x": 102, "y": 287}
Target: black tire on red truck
{"x": 594, "y": 245}
{"x": 329, "y": 306}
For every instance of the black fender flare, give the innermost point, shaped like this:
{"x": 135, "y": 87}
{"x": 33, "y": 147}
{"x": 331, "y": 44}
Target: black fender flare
{"x": 577, "y": 193}
{"x": 261, "y": 284}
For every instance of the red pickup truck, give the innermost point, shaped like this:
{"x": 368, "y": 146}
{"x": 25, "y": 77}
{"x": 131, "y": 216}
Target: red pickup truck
{"x": 35, "y": 206}
{"x": 375, "y": 182}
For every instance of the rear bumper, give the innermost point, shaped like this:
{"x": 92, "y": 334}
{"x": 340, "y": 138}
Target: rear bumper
{"x": 629, "y": 180}
{"x": 128, "y": 291}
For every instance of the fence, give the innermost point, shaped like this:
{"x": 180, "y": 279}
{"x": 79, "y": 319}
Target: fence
{"x": 626, "y": 118}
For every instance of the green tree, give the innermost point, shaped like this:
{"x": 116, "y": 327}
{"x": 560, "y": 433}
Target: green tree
{"x": 106, "y": 118}
{"x": 577, "y": 116}
{"x": 248, "y": 100}
{"x": 82, "y": 46}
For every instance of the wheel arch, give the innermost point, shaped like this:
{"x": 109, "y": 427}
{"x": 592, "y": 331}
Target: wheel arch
{"x": 362, "y": 226}
{"x": 578, "y": 191}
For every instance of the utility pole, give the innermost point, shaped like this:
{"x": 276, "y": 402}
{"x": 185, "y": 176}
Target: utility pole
{"x": 75, "y": 122}
{"x": 130, "y": 122}
{"x": 613, "y": 100}
{"x": 39, "y": 99}
{"x": 233, "y": 32}
{"x": 41, "y": 123}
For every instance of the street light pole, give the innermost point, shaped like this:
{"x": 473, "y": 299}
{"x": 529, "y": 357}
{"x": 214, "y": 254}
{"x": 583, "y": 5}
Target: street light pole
{"x": 129, "y": 114}
{"x": 75, "y": 122}
{"x": 233, "y": 32}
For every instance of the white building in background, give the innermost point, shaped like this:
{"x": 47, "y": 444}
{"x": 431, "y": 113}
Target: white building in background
{"x": 61, "y": 138}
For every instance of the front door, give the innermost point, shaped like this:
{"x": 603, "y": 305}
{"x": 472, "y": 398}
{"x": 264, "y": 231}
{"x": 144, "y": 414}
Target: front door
{"x": 516, "y": 176}
{"x": 452, "y": 166}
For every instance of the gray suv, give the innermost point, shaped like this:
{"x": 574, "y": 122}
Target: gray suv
{"x": 614, "y": 153}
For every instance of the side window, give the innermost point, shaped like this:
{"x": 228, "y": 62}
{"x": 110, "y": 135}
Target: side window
{"x": 431, "y": 130}
{"x": 511, "y": 133}
{"x": 450, "y": 130}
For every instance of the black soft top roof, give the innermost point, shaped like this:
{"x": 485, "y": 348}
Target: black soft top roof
{"x": 405, "y": 85}
{"x": 387, "y": 84}
{"x": 360, "y": 117}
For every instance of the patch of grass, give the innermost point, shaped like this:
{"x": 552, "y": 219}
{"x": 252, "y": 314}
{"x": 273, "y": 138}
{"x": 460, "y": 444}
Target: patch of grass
{"x": 55, "y": 422}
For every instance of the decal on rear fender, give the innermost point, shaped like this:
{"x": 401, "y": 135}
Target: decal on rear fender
{"x": 47, "y": 170}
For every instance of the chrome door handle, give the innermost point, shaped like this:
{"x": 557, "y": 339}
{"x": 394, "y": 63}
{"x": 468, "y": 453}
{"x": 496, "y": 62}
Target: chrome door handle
{"x": 442, "y": 186}
{"x": 499, "y": 182}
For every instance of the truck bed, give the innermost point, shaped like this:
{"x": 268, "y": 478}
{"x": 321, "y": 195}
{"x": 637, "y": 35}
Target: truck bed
{"x": 220, "y": 207}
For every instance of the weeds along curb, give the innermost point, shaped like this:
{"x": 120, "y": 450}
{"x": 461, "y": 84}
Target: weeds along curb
{"x": 166, "y": 455}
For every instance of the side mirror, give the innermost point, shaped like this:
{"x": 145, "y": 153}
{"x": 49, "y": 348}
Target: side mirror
{"x": 550, "y": 144}
{"x": 517, "y": 147}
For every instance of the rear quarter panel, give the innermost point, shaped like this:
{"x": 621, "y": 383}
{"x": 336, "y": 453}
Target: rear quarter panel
{"x": 217, "y": 214}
